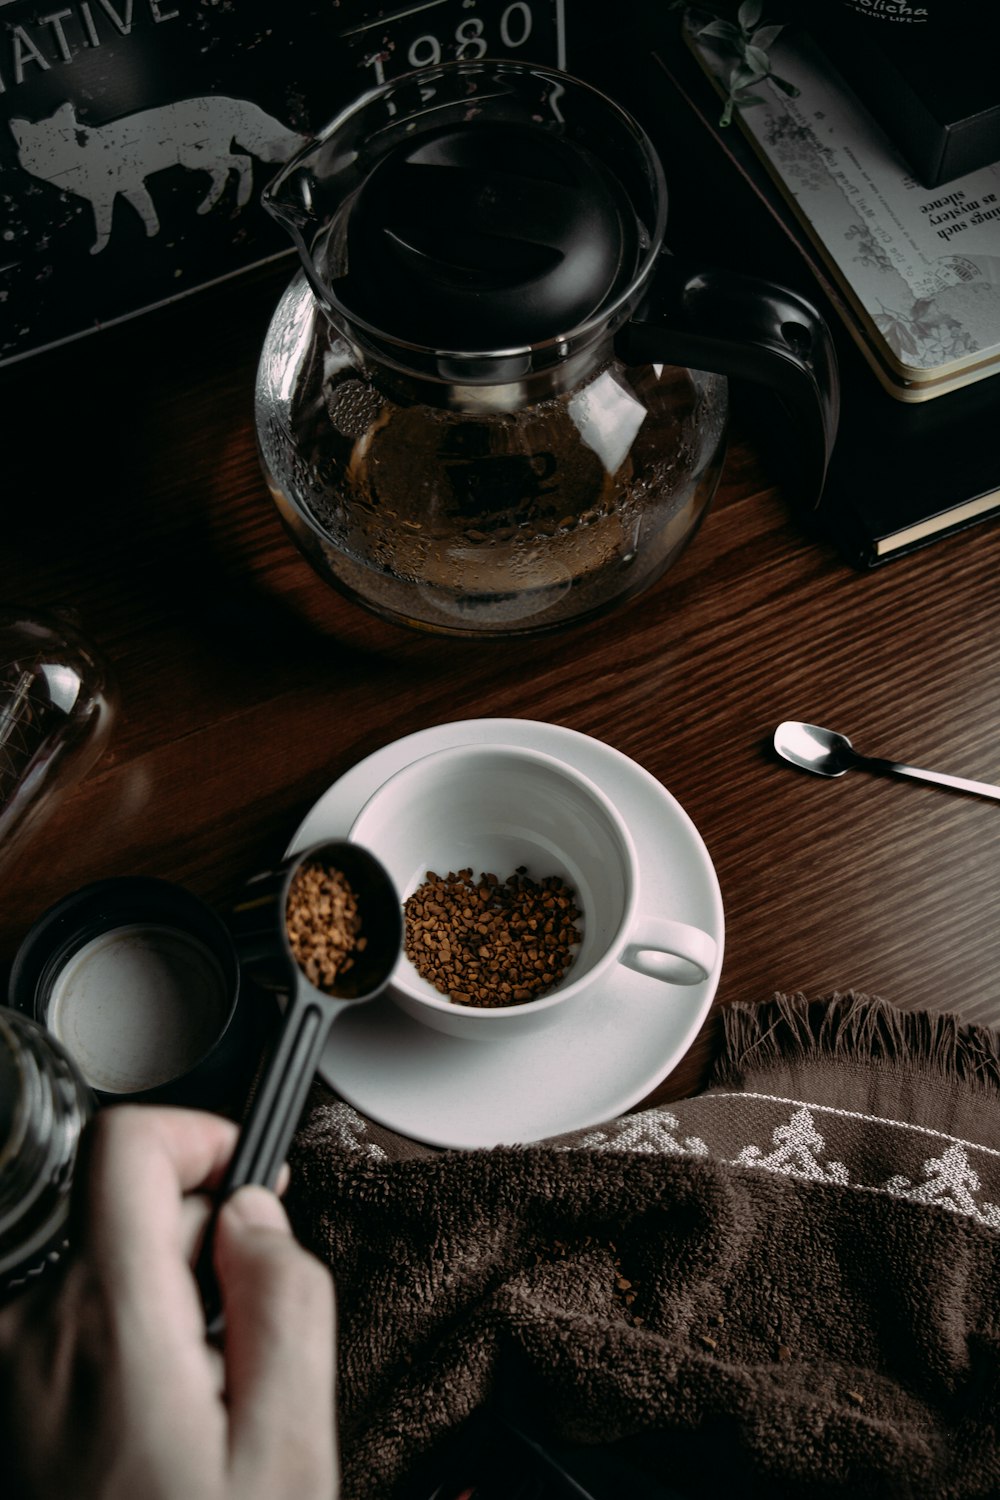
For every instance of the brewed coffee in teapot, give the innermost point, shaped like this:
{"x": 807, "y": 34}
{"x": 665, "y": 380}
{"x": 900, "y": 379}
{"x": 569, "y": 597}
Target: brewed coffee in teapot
{"x": 490, "y": 402}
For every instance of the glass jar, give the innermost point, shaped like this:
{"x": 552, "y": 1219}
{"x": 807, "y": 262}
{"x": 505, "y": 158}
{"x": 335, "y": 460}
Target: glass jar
{"x": 58, "y": 701}
{"x": 44, "y": 1105}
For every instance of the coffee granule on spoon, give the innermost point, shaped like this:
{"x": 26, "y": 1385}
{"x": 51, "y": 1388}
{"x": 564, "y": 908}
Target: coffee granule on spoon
{"x": 323, "y": 923}
{"x": 491, "y": 943}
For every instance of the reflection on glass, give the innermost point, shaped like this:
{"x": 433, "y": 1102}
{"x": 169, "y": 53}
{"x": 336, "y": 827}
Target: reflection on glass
{"x": 57, "y": 703}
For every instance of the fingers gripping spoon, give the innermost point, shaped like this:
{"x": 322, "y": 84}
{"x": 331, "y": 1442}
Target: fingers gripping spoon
{"x": 261, "y": 932}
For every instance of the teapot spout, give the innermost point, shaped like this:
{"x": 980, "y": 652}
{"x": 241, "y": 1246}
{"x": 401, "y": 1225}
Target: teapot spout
{"x": 288, "y": 197}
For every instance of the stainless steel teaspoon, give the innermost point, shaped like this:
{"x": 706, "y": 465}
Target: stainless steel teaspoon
{"x": 831, "y": 754}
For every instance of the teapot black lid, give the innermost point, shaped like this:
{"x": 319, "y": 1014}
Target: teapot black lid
{"x": 484, "y": 236}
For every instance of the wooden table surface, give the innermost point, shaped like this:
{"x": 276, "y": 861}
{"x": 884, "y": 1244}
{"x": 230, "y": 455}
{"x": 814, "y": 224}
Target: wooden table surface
{"x": 133, "y": 494}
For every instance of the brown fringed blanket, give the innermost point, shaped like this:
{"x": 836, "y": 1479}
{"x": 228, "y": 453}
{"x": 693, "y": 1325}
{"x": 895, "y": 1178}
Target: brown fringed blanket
{"x": 791, "y": 1280}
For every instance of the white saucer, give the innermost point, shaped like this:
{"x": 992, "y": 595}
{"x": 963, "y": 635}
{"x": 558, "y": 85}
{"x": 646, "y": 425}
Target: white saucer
{"x": 605, "y": 1053}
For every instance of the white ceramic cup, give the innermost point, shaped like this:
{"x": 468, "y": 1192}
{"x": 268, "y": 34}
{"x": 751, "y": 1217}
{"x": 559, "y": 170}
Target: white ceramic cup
{"x": 497, "y": 808}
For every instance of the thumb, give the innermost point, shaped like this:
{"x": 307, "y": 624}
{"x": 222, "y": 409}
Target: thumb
{"x": 279, "y": 1352}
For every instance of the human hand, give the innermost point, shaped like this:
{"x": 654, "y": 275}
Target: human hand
{"x": 109, "y": 1389}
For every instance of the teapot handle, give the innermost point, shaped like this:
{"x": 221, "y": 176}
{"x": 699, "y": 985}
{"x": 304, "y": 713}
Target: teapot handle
{"x": 730, "y": 324}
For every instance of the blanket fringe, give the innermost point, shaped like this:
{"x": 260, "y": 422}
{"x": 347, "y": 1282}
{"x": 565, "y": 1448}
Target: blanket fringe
{"x": 853, "y": 1028}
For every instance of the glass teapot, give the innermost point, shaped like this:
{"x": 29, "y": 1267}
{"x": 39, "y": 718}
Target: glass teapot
{"x": 491, "y": 402}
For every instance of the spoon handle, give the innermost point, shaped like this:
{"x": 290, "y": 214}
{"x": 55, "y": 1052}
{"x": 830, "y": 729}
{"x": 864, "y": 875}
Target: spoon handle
{"x": 957, "y": 783}
{"x": 281, "y": 1092}
{"x": 273, "y": 1115}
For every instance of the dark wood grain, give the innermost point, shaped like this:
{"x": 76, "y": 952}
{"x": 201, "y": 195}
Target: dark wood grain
{"x": 248, "y": 686}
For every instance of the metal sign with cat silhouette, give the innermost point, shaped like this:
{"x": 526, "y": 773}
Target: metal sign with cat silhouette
{"x": 136, "y": 135}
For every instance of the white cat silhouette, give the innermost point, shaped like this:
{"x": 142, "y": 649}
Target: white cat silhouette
{"x": 102, "y": 162}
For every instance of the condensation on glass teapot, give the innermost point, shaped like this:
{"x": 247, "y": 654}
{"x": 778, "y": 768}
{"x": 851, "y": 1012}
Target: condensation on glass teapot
{"x": 471, "y": 413}
{"x": 488, "y": 521}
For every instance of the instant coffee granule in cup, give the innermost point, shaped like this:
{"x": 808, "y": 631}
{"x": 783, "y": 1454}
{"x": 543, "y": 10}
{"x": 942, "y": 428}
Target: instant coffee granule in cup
{"x": 491, "y": 943}
{"x": 323, "y": 924}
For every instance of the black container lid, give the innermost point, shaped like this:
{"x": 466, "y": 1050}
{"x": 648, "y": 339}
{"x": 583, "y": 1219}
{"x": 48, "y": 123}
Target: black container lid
{"x": 486, "y": 235}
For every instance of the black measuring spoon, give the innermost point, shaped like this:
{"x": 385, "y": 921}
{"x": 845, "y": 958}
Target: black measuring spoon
{"x": 260, "y": 930}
